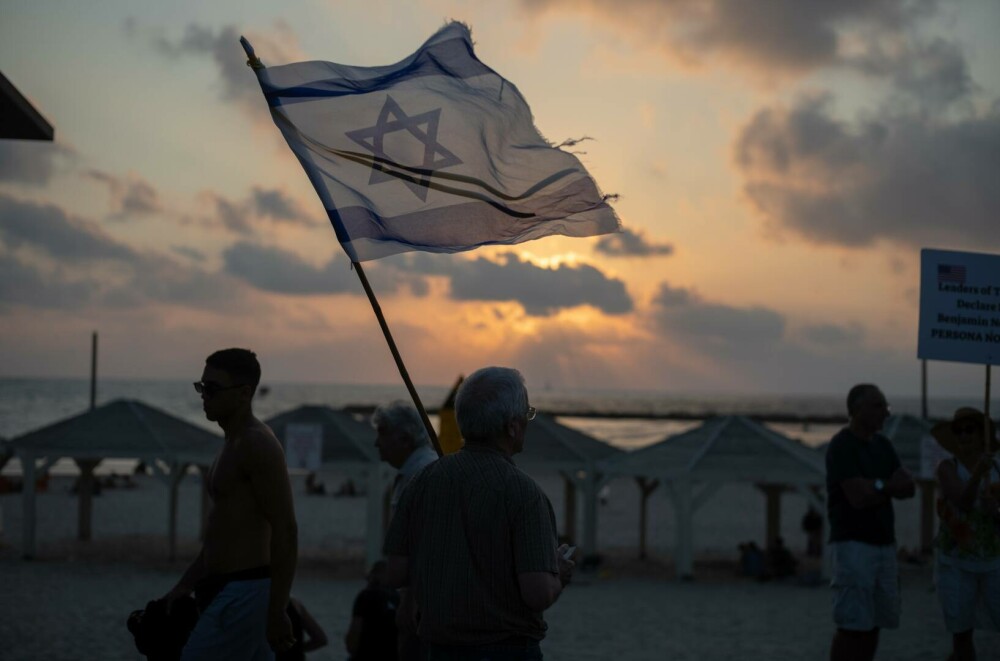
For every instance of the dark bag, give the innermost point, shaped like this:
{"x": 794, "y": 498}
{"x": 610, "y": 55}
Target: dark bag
{"x": 161, "y": 637}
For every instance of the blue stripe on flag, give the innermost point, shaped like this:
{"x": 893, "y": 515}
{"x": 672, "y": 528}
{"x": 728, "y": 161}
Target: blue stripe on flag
{"x": 450, "y": 58}
{"x": 459, "y": 227}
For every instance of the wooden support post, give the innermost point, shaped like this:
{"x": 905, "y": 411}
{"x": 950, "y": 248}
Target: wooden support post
{"x": 773, "y": 522}
{"x": 28, "y": 505}
{"x": 646, "y": 488}
{"x": 591, "y": 485}
{"x": 177, "y": 472}
{"x": 685, "y": 531}
{"x": 569, "y": 502}
{"x": 85, "y": 496}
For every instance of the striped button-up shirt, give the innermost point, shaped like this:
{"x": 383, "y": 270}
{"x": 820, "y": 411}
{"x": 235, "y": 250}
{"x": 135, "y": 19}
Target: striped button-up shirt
{"x": 469, "y": 524}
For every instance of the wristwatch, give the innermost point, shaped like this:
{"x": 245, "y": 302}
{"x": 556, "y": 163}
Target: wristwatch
{"x": 879, "y": 485}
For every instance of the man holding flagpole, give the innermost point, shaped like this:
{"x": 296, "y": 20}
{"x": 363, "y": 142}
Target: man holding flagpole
{"x": 474, "y": 538}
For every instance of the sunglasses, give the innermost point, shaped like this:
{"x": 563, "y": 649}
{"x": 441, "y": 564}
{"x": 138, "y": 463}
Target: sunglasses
{"x": 967, "y": 429}
{"x": 209, "y": 389}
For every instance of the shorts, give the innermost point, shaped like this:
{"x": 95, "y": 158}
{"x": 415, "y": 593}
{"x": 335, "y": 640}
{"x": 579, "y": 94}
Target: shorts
{"x": 234, "y": 625}
{"x": 866, "y": 586}
{"x": 969, "y": 599}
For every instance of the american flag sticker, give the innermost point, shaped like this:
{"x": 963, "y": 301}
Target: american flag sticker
{"x": 951, "y": 273}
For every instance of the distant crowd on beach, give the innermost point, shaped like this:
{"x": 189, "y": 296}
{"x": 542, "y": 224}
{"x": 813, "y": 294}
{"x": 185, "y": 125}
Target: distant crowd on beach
{"x": 472, "y": 558}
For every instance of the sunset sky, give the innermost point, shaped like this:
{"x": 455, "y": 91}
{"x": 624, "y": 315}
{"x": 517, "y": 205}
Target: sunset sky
{"x": 780, "y": 164}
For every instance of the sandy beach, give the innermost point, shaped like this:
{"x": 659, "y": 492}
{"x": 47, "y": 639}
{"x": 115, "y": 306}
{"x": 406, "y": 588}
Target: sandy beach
{"x": 72, "y": 601}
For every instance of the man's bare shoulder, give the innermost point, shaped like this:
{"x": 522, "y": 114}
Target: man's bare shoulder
{"x": 257, "y": 442}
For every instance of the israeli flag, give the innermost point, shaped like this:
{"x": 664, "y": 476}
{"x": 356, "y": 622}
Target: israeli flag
{"x": 435, "y": 153}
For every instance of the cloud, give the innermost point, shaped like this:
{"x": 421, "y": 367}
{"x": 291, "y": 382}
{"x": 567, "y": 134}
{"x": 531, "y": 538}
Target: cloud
{"x": 32, "y": 162}
{"x": 785, "y": 35}
{"x": 277, "y": 45}
{"x": 907, "y": 178}
{"x": 280, "y": 271}
{"x": 63, "y": 260}
{"x": 225, "y": 213}
{"x": 933, "y": 73}
{"x": 22, "y": 283}
{"x": 758, "y": 348}
{"x": 240, "y": 216}
{"x": 191, "y": 253}
{"x": 540, "y": 291}
{"x": 627, "y": 243}
{"x": 737, "y": 331}
{"x": 833, "y": 337}
{"x": 275, "y": 270}
{"x": 278, "y": 205}
{"x": 130, "y": 196}
{"x": 48, "y": 228}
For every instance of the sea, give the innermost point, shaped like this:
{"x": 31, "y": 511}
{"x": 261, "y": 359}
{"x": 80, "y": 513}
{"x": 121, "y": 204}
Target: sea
{"x": 625, "y": 419}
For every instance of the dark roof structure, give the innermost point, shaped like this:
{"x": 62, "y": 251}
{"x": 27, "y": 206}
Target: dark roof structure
{"x": 18, "y": 118}
{"x": 123, "y": 428}
{"x": 728, "y": 449}
{"x": 549, "y": 444}
{"x": 345, "y": 439}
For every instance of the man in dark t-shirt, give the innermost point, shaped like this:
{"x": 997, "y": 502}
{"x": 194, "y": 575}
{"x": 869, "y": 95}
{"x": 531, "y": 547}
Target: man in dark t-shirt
{"x": 372, "y": 634}
{"x": 863, "y": 475}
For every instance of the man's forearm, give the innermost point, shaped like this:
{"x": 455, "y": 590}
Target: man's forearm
{"x": 284, "y": 557}
{"x": 194, "y": 573}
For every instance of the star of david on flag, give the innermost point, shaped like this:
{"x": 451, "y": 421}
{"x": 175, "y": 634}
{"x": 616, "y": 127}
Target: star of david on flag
{"x": 436, "y": 153}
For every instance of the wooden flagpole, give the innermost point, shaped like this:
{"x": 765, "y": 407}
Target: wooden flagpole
{"x": 987, "y": 428}
{"x": 254, "y": 63}
{"x": 395, "y": 355}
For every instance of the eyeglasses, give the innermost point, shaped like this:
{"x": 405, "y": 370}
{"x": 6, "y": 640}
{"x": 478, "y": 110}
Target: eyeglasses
{"x": 209, "y": 388}
{"x": 530, "y": 413}
{"x": 967, "y": 429}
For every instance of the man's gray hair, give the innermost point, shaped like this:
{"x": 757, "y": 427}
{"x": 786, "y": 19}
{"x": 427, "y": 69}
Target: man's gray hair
{"x": 489, "y": 399}
{"x": 402, "y": 417}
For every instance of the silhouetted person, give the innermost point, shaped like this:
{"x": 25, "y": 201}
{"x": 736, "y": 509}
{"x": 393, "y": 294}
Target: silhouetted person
{"x": 243, "y": 574}
{"x": 474, "y": 538}
{"x": 309, "y": 635}
{"x": 863, "y": 475}
{"x": 314, "y": 488}
{"x": 812, "y": 526}
{"x": 751, "y": 560}
{"x": 402, "y": 442}
{"x": 968, "y": 542}
{"x": 372, "y": 633}
{"x": 781, "y": 562}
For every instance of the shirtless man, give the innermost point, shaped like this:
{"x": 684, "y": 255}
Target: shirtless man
{"x": 243, "y": 574}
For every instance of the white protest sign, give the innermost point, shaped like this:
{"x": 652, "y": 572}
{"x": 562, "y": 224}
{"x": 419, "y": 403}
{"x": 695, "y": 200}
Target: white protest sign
{"x": 959, "y": 307}
{"x": 304, "y": 446}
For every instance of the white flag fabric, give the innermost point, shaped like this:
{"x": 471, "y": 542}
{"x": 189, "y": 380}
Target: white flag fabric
{"x": 436, "y": 153}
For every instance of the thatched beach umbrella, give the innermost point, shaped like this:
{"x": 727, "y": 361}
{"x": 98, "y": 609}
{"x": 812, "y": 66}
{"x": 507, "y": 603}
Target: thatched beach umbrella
{"x": 724, "y": 450}
{"x": 347, "y": 445}
{"x": 578, "y": 458}
{"x": 122, "y": 429}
